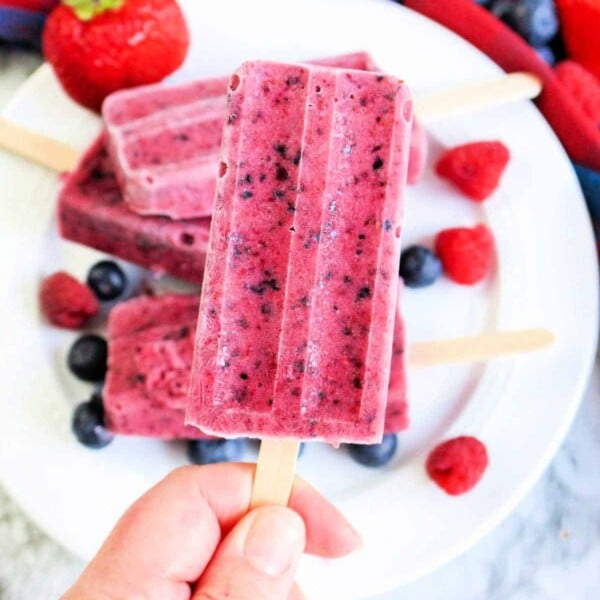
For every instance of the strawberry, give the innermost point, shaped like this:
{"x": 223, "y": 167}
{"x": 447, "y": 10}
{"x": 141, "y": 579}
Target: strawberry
{"x": 67, "y": 302}
{"x": 99, "y": 46}
{"x": 474, "y": 168}
{"x": 580, "y": 25}
{"x": 466, "y": 253}
{"x": 583, "y": 86}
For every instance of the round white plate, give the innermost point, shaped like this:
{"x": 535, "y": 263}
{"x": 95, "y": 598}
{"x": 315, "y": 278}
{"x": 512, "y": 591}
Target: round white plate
{"x": 521, "y": 408}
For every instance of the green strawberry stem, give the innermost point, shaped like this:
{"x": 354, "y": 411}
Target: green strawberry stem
{"x": 88, "y": 9}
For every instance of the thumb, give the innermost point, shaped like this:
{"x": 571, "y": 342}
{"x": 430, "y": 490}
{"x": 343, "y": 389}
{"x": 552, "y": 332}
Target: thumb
{"x": 258, "y": 558}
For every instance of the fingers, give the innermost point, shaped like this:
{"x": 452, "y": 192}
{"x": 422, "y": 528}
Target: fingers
{"x": 168, "y": 537}
{"x": 258, "y": 558}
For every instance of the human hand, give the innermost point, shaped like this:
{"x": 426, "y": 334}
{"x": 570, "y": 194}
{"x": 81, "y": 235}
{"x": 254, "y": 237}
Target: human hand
{"x": 191, "y": 537}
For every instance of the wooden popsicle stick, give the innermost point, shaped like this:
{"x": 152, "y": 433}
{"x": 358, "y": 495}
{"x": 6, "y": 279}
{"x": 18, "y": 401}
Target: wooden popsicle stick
{"x": 478, "y": 348}
{"x": 277, "y": 458}
{"x": 465, "y": 98}
{"x": 36, "y": 147}
{"x": 274, "y": 474}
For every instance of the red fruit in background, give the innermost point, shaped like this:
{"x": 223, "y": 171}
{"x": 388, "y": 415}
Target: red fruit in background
{"x": 466, "y": 253}
{"x": 67, "y": 302}
{"x": 583, "y": 86}
{"x": 474, "y": 168}
{"x": 457, "y": 465}
{"x": 99, "y": 48}
{"x": 580, "y": 25}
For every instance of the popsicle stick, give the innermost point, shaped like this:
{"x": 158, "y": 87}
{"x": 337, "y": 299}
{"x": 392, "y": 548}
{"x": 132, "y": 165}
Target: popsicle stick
{"x": 36, "y": 147}
{"x": 275, "y": 471}
{"x": 466, "y": 98}
{"x": 478, "y": 348}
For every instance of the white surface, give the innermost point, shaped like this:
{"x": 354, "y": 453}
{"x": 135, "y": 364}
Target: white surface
{"x": 553, "y": 206}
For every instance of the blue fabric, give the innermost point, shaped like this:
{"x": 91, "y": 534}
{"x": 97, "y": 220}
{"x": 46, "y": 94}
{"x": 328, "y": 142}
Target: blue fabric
{"x": 21, "y": 26}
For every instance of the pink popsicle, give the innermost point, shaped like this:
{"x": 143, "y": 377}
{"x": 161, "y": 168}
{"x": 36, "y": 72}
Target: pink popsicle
{"x": 165, "y": 141}
{"x": 150, "y": 361}
{"x": 297, "y": 311}
{"x": 91, "y": 211}
{"x": 150, "y": 342}
{"x": 419, "y": 150}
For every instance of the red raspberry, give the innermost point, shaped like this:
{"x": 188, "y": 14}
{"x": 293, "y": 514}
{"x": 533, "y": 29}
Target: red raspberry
{"x": 457, "y": 465}
{"x": 583, "y": 86}
{"x": 474, "y": 168}
{"x": 67, "y": 302}
{"x": 580, "y": 24}
{"x": 466, "y": 253}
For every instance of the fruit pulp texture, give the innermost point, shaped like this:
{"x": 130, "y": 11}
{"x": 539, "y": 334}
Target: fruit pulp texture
{"x": 297, "y": 311}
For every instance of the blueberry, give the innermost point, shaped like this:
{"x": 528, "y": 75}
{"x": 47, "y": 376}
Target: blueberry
{"x": 419, "y": 267}
{"x": 375, "y": 455}
{"x": 206, "y": 452}
{"x": 534, "y": 20}
{"x": 87, "y": 358}
{"x": 88, "y": 424}
{"x": 107, "y": 280}
{"x": 546, "y": 54}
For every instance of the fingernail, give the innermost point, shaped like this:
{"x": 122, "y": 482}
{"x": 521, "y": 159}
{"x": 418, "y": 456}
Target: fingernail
{"x": 275, "y": 540}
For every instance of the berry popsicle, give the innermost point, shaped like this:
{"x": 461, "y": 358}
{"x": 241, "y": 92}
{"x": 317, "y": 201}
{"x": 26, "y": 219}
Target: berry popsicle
{"x": 150, "y": 343}
{"x": 91, "y": 211}
{"x": 297, "y": 312}
{"x": 150, "y": 361}
{"x": 165, "y": 141}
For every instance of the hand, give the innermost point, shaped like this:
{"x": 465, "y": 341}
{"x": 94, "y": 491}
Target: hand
{"x": 191, "y": 537}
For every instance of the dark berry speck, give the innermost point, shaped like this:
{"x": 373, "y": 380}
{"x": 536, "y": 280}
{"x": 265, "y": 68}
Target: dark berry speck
{"x": 377, "y": 164}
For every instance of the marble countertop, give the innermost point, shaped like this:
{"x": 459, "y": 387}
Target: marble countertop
{"x": 548, "y": 549}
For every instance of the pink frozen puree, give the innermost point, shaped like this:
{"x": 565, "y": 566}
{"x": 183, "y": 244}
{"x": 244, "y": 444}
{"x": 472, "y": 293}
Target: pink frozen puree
{"x": 150, "y": 343}
{"x": 165, "y": 141}
{"x": 297, "y": 311}
{"x": 91, "y": 211}
{"x": 150, "y": 359}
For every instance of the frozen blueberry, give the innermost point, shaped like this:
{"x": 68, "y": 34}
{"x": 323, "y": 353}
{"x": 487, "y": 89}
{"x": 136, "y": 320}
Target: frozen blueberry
{"x": 534, "y": 20}
{"x": 107, "y": 280}
{"x": 87, "y": 358}
{"x": 206, "y": 452}
{"x": 375, "y": 455}
{"x": 419, "y": 267}
{"x": 546, "y": 54}
{"x": 88, "y": 424}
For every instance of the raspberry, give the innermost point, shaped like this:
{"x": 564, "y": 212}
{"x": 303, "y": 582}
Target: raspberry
{"x": 67, "y": 302}
{"x": 466, "y": 253}
{"x": 474, "y": 168}
{"x": 457, "y": 465}
{"x": 583, "y": 86}
{"x": 580, "y": 24}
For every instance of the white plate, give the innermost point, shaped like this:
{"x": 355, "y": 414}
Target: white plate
{"x": 521, "y": 408}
